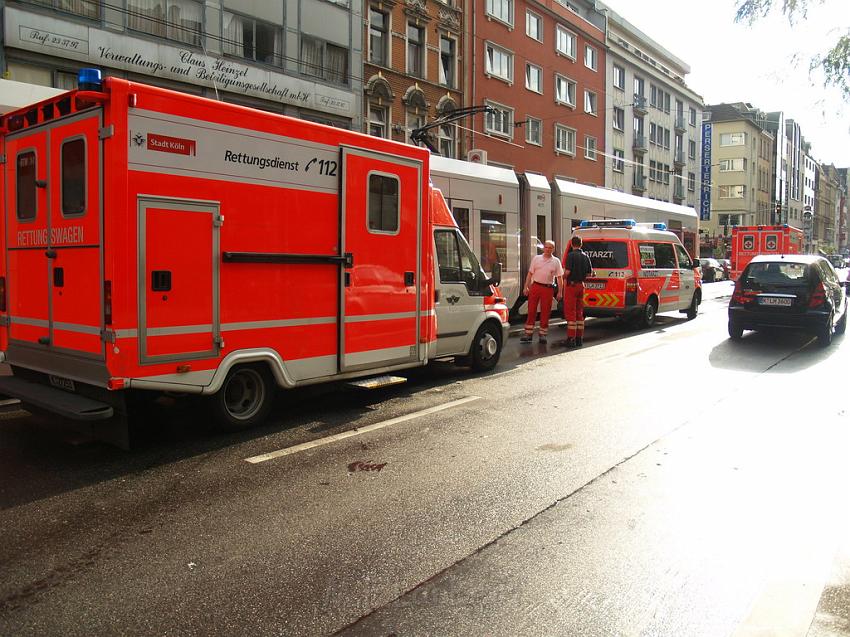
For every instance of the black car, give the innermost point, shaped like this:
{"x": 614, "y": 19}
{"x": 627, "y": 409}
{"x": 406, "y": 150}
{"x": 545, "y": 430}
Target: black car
{"x": 797, "y": 291}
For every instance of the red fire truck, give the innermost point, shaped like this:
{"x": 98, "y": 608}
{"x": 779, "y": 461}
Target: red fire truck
{"x": 154, "y": 240}
{"x": 748, "y": 241}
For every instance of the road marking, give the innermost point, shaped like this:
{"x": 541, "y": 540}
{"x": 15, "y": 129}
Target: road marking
{"x": 288, "y": 451}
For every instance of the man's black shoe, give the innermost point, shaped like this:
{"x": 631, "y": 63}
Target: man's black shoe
{"x": 570, "y": 342}
{"x": 578, "y": 341}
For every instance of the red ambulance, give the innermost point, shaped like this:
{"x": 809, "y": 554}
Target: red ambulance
{"x": 159, "y": 241}
{"x": 748, "y": 241}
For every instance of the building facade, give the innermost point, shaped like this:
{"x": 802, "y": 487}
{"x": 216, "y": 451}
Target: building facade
{"x": 827, "y": 209}
{"x": 300, "y": 57}
{"x": 653, "y": 128}
{"x": 413, "y": 69}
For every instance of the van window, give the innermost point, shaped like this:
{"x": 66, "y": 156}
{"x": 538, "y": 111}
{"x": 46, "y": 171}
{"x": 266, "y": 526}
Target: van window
{"x": 458, "y": 264}
{"x": 25, "y": 186}
{"x": 657, "y": 255}
{"x": 383, "y": 203}
{"x": 612, "y": 255}
{"x": 448, "y": 257}
{"x": 74, "y": 177}
{"x": 684, "y": 257}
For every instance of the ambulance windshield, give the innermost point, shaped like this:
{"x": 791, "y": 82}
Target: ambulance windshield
{"x": 607, "y": 254}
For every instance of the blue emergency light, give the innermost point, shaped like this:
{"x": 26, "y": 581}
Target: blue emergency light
{"x": 659, "y": 226}
{"x": 608, "y": 223}
{"x": 89, "y": 80}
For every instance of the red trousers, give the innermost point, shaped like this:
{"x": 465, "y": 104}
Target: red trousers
{"x": 574, "y": 309}
{"x": 539, "y": 295}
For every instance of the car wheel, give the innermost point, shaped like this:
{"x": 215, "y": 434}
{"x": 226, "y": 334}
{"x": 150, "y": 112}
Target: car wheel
{"x": 736, "y": 332}
{"x": 244, "y": 399}
{"x": 825, "y": 333}
{"x": 693, "y": 308}
{"x": 648, "y": 315}
{"x": 486, "y": 348}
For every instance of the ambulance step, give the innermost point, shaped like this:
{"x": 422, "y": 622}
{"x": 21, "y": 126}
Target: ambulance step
{"x": 55, "y": 400}
{"x": 376, "y": 382}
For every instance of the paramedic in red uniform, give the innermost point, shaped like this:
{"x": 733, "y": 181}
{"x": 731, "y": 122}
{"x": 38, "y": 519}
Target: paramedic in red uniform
{"x": 544, "y": 274}
{"x": 577, "y": 268}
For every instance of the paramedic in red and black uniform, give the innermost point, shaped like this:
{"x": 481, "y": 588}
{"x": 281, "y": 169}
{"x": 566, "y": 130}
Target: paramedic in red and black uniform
{"x": 544, "y": 277}
{"x": 577, "y": 268}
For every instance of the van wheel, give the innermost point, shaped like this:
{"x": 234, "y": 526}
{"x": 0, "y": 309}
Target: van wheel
{"x": 245, "y": 398}
{"x": 649, "y": 314}
{"x": 486, "y": 348}
{"x": 825, "y": 333}
{"x": 693, "y": 308}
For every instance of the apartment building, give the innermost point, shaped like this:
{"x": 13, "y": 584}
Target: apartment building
{"x": 653, "y": 127}
{"x": 741, "y": 171}
{"x": 413, "y": 71}
{"x": 301, "y": 58}
{"x": 843, "y": 205}
{"x": 540, "y": 66}
{"x": 826, "y": 209}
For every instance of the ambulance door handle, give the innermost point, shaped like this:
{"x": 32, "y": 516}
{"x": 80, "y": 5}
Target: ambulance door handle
{"x": 348, "y": 279}
{"x": 409, "y": 278}
{"x": 58, "y": 277}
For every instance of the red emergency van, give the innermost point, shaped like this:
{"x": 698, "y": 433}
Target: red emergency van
{"x": 639, "y": 270}
{"x": 749, "y": 241}
{"x": 159, "y": 241}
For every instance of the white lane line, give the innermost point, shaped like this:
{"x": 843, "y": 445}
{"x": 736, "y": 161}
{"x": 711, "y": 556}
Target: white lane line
{"x": 356, "y": 432}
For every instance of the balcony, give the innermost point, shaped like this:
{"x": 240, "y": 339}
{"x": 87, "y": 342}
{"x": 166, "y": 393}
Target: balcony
{"x": 680, "y": 124}
{"x": 639, "y": 144}
{"x": 639, "y": 183}
{"x": 679, "y": 158}
{"x": 639, "y": 105}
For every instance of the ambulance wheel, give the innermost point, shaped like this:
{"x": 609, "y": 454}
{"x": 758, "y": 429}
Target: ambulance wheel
{"x": 486, "y": 348}
{"x": 244, "y": 399}
{"x": 693, "y": 308}
{"x": 649, "y": 313}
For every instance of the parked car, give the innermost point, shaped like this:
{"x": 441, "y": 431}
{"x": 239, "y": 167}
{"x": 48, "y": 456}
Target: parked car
{"x": 799, "y": 292}
{"x": 712, "y": 270}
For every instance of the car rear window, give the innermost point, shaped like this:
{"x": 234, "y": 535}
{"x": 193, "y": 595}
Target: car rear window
{"x": 607, "y": 254}
{"x": 776, "y": 274}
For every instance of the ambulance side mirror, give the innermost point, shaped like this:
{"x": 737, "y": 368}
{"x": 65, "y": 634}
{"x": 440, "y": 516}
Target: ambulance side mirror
{"x": 495, "y": 274}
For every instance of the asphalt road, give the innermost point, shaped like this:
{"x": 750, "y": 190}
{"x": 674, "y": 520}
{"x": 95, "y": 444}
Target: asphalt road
{"x": 661, "y": 482}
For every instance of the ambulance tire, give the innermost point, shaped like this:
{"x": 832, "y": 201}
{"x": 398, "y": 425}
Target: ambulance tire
{"x": 649, "y": 314}
{"x": 486, "y": 348}
{"x": 693, "y": 308}
{"x": 244, "y": 399}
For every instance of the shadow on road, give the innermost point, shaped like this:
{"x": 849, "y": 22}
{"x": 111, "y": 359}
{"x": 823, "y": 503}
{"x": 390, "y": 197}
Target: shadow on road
{"x": 762, "y": 351}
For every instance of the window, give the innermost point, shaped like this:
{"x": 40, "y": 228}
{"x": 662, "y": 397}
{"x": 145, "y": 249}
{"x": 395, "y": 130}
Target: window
{"x": 590, "y": 148}
{"x": 415, "y": 48}
{"x": 733, "y": 139}
{"x": 457, "y": 263}
{"x": 619, "y": 77}
{"x": 534, "y": 26}
{"x": 653, "y": 133}
{"x": 502, "y": 10}
{"x": 590, "y": 102}
{"x": 619, "y": 118}
{"x": 534, "y": 78}
{"x": 500, "y": 120}
{"x": 683, "y": 256}
{"x": 324, "y": 60}
{"x": 447, "y": 137}
{"x": 692, "y": 182}
{"x": 732, "y": 192}
{"x": 639, "y": 86}
{"x": 499, "y": 63}
{"x": 178, "y": 20}
{"x": 73, "y": 172}
{"x": 378, "y": 119}
{"x": 667, "y": 138}
{"x": 665, "y": 175}
{"x": 251, "y": 39}
{"x": 692, "y": 149}
{"x": 657, "y": 255}
{"x": 25, "y": 186}
{"x": 461, "y": 215}
{"x": 666, "y": 96}
{"x": 589, "y": 57}
{"x": 84, "y": 8}
{"x": 617, "y": 163}
{"x": 565, "y": 43}
{"x": 692, "y": 116}
{"x": 607, "y": 255}
{"x": 534, "y": 131}
{"x": 565, "y": 140}
{"x": 733, "y": 165}
{"x": 637, "y": 125}
{"x": 565, "y": 90}
{"x": 378, "y": 37}
{"x": 383, "y": 203}
{"x": 494, "y": 239}
{"x": 447, "y": 61}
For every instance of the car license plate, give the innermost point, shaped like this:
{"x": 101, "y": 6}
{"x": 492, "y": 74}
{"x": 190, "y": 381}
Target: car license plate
{"x": 595, "y": 285}
{"x": 62, "y": 383}
{"x": 776, "y": 301}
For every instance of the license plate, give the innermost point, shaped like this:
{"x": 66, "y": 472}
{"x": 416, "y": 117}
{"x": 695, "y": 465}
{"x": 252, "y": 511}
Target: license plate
{"x": 594, "y": 285}
{"x": 62, "y": 383}
{"x": 775, "y": 301}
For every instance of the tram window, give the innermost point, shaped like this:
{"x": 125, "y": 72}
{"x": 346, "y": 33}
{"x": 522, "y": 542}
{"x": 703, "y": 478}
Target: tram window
{"x": 461, "y": 216}
{"x": 494, "y": 240}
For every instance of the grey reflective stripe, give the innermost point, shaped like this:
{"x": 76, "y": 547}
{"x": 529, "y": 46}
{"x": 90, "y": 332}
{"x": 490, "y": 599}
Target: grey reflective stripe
{"x": 379, "y": 317}
{"x": 258, "y": 325}
{"x": 20, "y": 320}
{"x": 180, "y": 329}
{"x": 80, "y": 329}
{"x": 131, "y": 333}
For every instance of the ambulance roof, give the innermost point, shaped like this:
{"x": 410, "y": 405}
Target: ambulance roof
{"x": 638, "y": 232}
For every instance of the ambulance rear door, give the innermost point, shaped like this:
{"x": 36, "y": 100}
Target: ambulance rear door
{"x": 381, "y": 230}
